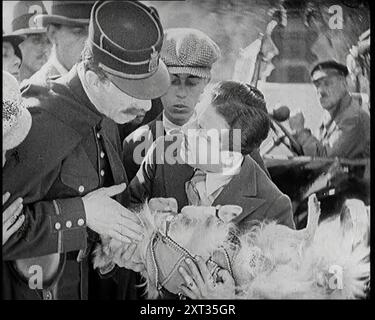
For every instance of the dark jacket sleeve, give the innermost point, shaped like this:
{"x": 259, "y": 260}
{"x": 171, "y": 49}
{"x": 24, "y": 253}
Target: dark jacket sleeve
{"x": 30, "y": 172}
{"x": 135, "y": 148}
{"x": 130, "y": 166}
{"x": 140, "y": 188}
{"x": 347, "y": 142}
{"x": 38, "y": 235}
{"x": 45, "y": 230}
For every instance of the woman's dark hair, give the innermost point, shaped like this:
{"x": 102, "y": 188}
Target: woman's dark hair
{"x": 243, "y": 107}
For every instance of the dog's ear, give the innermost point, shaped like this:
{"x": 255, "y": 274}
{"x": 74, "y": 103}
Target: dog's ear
{"x": 228, "y": 212}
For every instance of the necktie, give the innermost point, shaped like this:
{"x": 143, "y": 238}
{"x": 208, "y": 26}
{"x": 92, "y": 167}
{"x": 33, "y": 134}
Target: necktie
{"x": 195, "y": 197}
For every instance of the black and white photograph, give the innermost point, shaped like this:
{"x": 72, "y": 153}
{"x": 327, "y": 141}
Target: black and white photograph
{"x": 213, "y": 150}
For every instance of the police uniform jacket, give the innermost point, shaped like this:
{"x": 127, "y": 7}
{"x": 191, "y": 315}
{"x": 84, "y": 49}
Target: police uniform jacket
{"x": 70, "y": 151}
{"x": 345, "y": 135}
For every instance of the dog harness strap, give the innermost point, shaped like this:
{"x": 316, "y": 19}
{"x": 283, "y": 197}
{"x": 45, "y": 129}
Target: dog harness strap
{"x": 153, "y": 241}
{"x": 228, "y": 261}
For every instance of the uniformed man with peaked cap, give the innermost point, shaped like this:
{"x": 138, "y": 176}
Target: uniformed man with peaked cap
{"x": 68, "y": 170}
{"x": 345, "y": 129}
{"x": 12, "y": 55}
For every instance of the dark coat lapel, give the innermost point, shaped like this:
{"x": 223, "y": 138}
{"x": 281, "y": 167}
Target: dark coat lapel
{"x": 242, "y": 190}
{"x": 175, "y": 176}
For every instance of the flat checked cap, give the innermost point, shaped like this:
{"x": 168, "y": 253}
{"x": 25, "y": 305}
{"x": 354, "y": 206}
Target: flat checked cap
{"x": 327, "y": 68}
{"x": 187, "y": 50}
{"x": 126, "y": 38}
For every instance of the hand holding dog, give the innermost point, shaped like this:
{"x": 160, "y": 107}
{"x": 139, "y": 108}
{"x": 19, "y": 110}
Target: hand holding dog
{"x": 200, "y": 284}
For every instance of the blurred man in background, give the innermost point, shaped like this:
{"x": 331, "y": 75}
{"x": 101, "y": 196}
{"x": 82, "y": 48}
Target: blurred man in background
{"x": 345, "y": 131}
{"x": 12, "y": 55}
{"x": 36, "y": 47}
{"x": 67, "y": 29}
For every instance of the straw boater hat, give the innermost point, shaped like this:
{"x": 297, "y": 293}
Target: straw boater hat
{"x": 16, "y": 118}
{"x": 23, "y": 22}
{"x": 69, "y": 13}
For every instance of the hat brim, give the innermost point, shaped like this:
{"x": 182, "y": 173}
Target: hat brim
{"x": 45, "y": 20}
{"x": 19, "y": 131}
{"x": 200, "y": 72}
{"x": 27, "y": 31}
{"x": 152, "y": 87}
{"x": 15, "y": 40}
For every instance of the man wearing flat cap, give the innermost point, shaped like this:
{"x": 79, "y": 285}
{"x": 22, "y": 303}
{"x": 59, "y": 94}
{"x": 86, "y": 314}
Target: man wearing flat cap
{"x": 69, "y": 168}
{"x": 345, "y": 131}
{"x": 189, "y": 55}
{"x": 35, "y": 47}
{"x": 67, "y": 29}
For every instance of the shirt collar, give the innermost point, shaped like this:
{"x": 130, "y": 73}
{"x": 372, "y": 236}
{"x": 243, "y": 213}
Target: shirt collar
{"x": 169, "y": 125}
{"x": 215, "y": 181}
{"x": 56, "y": 63}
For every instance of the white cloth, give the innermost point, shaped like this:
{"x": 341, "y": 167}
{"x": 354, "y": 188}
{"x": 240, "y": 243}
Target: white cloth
{"x": 169, "y": 125}
{"x": 215, "y": 182}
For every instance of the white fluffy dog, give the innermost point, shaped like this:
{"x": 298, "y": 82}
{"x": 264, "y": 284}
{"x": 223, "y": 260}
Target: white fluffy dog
{"x": 268, "y": 261}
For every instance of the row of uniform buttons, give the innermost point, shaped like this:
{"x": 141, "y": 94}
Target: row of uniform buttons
{"x": 102, "y": 154}
{"x": 81, "y": 188}
{"x": 69, "y": 224}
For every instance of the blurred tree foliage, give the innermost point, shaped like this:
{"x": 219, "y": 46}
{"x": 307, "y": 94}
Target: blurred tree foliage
{"x": 234, "y": 24}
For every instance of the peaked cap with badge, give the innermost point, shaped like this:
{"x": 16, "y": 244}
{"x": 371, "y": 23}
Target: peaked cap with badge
{"x": 126, "y": 38}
